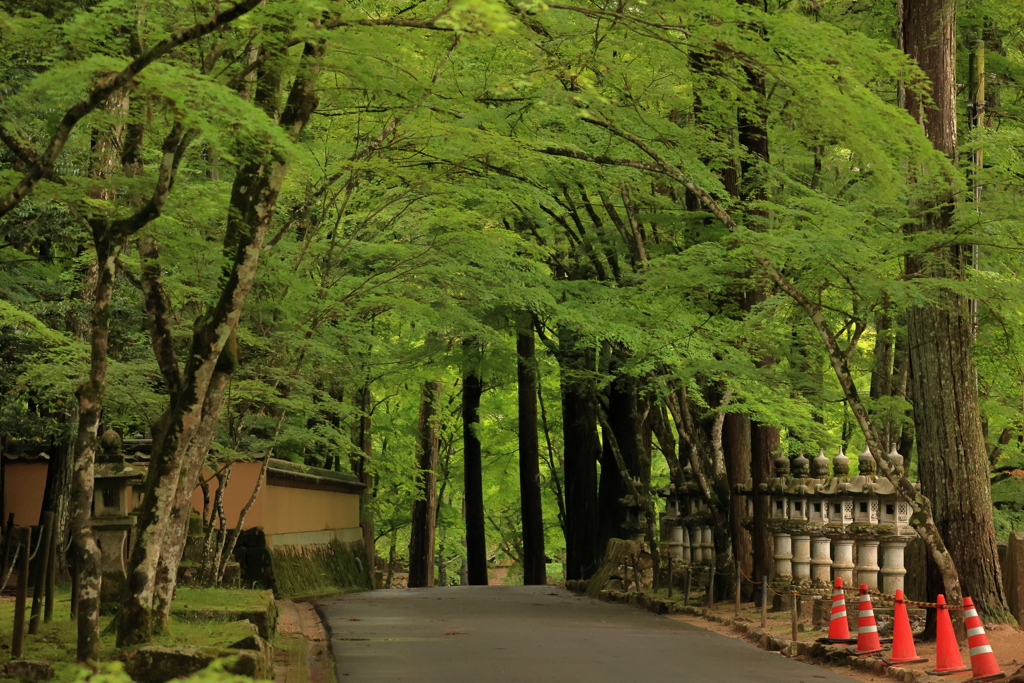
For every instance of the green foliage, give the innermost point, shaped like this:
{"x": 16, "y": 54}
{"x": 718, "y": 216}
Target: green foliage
{"x": 434, "y": 194}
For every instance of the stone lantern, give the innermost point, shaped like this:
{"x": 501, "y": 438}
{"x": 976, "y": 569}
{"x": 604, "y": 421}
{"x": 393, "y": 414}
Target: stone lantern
{"x": 895, "y": 513}
{"x": 783, "y": 554}
{"x": 840, "y": 518}
{"x": 818, "y": 517}
{"x": 111, "y": 514}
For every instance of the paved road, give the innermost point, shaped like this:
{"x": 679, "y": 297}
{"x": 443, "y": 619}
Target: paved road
{"x": 535, "y": 634}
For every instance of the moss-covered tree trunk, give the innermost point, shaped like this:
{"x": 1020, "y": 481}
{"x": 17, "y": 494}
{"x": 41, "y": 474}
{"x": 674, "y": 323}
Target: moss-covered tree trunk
{"x": 90, "y": 408}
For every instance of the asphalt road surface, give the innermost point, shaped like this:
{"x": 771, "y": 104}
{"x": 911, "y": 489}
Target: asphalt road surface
{"x": 535, "y": 634}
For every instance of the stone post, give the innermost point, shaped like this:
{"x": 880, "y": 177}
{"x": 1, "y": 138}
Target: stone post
{"x": 675, "y": 541}
{"x": 707, "y": 544}
{"x": 893, "y": 569}
{"x": 843, "y": 565}
{"x": 867, "y": 563}
{"x": 783, "y": 554}
{"x": 801, "y": 557}
{"x": 821, "y": 561}
{"x": 685, "y": 549}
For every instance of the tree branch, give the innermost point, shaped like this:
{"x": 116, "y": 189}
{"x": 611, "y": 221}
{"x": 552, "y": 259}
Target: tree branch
{"x": 43, "y": 166}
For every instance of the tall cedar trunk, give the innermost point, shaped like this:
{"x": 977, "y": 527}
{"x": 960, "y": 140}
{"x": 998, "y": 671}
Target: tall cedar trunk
{"x": 90, "y": 407}
{"x": 882, "y": 374}
{"x": 534, "y": 569}
{"x": 764, "y": 439}
{"x": 476, "y": 539}
{"x": 424, "y": 508}
{"x": 764, "y": 443}
{"x": 253, "y": 199}
{"x": 581, "y": 450}
{"x": 953, "y": 461}
{"x": 736, "y": 445}
{"x": 622, "y": 411}
{"x": 361, "y": 468}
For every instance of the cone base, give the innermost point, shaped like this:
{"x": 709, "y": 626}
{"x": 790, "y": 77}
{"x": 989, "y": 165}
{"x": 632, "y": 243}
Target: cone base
{"x": 853, "y": 651}
{"x": 949, "y": 671}
{"x": 897, "y": 662}
{"x": 990, "y": 677}
{"x": 837, "y": 641}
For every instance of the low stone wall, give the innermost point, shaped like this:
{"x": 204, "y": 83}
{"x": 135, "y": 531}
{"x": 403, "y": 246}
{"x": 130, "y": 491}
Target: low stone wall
{"x": 298, "y": 570}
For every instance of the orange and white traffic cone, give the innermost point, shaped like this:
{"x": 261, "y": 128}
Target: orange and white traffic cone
{"x": 838, "y": 626}
{"x": 903, "y": 650}
{"x": 984, "y": 666}
{"x": 947, "y": 651}
{"x": 867, "y": 629}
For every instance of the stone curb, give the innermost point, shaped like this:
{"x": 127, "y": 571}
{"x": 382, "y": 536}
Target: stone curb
{"x": 767, "y": 641}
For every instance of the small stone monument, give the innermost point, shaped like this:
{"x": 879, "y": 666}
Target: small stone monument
{"x": 112, "y": 517}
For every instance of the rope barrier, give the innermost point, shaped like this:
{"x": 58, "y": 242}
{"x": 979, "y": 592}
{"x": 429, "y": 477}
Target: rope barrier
{"x": 855, "y": 591}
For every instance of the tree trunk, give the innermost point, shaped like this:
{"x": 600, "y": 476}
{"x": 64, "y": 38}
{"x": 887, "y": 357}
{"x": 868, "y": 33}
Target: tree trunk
{"x": 581, "y": 446}
{"x": 361, "y": 468}
{"x": 953, "y": 459}
{"x": 737, "y": 447}
{"x": 476, "y": 538}
{"x": 613, "y": 488}
{"x": 764, "y": 444}
{"x": 171, "y": 551}
{"x": 90, "y": 408}
{"x": 254, "y": 195}
{"x": 534, "y": 569}
{"x": 424, "y": 508}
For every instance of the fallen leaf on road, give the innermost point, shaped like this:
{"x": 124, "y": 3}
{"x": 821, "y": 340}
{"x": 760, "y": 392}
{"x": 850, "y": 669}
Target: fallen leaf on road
{"x": 454, "y": 633}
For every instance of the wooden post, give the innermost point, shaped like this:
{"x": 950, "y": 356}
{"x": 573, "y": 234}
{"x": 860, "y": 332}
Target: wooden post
{"x": 793, "y": 600}
{"x": 670, "y": 576}
{"x": 711, "y": 588}
{"x": 18, "y": 638}
{"x": 42, "y": 569}
{"x": 764, "y": 602}
{"x": 738, "y": 587}
{"x": 51, "y": 575}
{"x": 689, "y": 574}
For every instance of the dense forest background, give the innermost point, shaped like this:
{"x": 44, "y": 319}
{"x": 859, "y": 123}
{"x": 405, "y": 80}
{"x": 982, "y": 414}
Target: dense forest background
{"x": 513, "y": 263}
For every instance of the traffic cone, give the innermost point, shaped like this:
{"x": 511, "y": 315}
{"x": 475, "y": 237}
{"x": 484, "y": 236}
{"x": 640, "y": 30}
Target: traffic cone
{"x": 867, "y": 629}
{"x": 903, "y": 650}
{"x": 838, "y": 626}
{"x": 984, "y": 666}
{"x": 947, "y": 651}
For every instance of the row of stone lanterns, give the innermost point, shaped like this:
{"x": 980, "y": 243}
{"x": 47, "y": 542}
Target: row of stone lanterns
{"x": 824, "y": 526}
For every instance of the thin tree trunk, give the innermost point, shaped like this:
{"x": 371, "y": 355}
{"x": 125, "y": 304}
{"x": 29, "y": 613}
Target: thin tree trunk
{"x": 90, "y": 407}
{"x": 364, "y": 444}
{"x": 534, "y": 568}
{"x": 424, "y": 508}
{"x": 953, "y": 458}
{"x": 476, "y": 539}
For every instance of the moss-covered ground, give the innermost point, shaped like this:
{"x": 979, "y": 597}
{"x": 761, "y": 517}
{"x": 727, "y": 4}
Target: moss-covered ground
{"x": 55, "y": 641}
